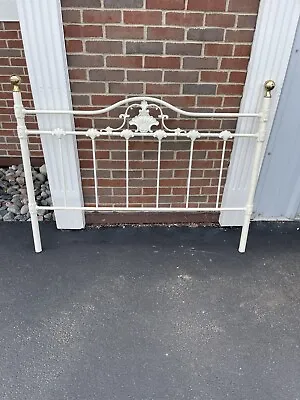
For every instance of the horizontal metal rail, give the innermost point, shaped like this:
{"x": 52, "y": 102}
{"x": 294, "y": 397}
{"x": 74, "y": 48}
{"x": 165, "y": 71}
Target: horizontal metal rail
{"x": 143, "y": 209}
{"x": 116, "y": 133}
{"x": 138, "y": 99}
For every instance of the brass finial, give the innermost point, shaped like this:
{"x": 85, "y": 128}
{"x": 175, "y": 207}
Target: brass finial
{"x": 269, "y": 86}
{"x": 15, "y": 80}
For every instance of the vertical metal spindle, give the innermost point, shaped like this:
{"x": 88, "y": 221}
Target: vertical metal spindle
{"x": 221, "y": 173}
{"x": 127, "y": 172}
{"x": 189, "y": 174}
{"x": 62, "y": 170}
{"x": 158, "y": 171}
{"x": 95, "y": 171}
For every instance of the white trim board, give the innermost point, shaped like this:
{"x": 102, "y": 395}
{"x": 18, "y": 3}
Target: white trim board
{"x": 275, "y": 32}
{"x": 8, "y": 11}
{"x": 44, "y": 46}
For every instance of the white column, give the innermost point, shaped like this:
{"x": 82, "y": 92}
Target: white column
{"x": 272, "y": 45}
{"x": 44, "y": 46}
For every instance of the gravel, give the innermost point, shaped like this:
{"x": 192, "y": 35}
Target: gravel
{"x": 13, "y": 194}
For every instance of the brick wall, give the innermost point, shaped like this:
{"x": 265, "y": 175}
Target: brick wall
{"x": 12, "y": 61}
{"x": 193, "y": 54}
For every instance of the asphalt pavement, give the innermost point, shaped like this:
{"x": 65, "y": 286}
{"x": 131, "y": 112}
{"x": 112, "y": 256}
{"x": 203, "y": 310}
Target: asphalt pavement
{"x": 150, "y": 313}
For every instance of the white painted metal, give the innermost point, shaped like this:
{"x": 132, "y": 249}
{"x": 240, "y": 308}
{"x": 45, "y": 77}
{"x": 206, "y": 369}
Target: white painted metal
{"x": 188, "y": 186}
{"x": 22, "y": 134}
{"x": 158, "y": 172}
{"x": 8, "y": 10}
{"x": 138, "y": 99}
{"x": 221, "y": 173}
{"x": 127, "y": 172}
{"x": 142, "y": 209}
{"x": 271, "y": 49}
{"x": 95, "y": 172}
{"x": 262, "y": 129}
{"x": 143, "y": 123}
{"x": 105, "y": 132}
{"x": 42, "y": 34}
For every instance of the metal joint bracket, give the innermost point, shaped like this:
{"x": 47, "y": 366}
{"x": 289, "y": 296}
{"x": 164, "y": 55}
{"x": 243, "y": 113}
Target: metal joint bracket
{"x": 32, "y": 208}
{"x": 22, "y": 132}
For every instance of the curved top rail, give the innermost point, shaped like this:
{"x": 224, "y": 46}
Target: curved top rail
{"x": 151, "y": 100}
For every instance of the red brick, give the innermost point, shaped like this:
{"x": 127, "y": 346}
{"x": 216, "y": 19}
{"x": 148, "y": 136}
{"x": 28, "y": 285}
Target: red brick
{"x": 201, "y": 88}
{"x": 207, "y": 5}
{"x": 205, "y": 34}
{"x": 77, "y": 74}
{"x": 240, "y": 35}
{"x": 208, "y": 123}
{"x": 83, "y": 122}
{"x": 165, "y": 33}
{"x": 10, "y": 53}
{"x": 80, "y": 100}
{"x": 120, "y": 88}
{"x": 211, "y": 173}
{"x": 107, "y": 75}
{"x": 87, "y": 87}
{"x": 244, "y": 6}
{"x": 200, "y": 63}
{"x": 144, "y": 76}
{"x": 206, "y": 144}
{"x": 144, "y": 47}
{"x": 108, "y": 144}
{"x": 184, "y": 19}
{"x": 218, "y": 49}
{"x": 71, "y": 16}
{"x": 163, "y": 88}
{"x": 211, "y": 101}
{"x": 166, "y": 4}
{"x": 143, "y": 145}
{"x": 11, "y": 26}
{"x": 85, "y": 60}
{"x": 220, "y": 20}
{"x": 181, "y": 76}
{"x": 125, "y": 61}
{"x": 9, "y": 35}
{"x": 15, "y": 44}
{"x": 237, "y": 77}
{"x": 74, "y": 46}
{"x": 77, "y": 31}
{"x": 186, "y": 49}
{"x": 232, "y": 101}
{"x": 15, "y": 62}
{"x": 229, "y": 123}
{"x": 242, "y": 50}
{"x": 105, "y": 100}
{"x": 124, "y": 32}
{"x": 180, "y": 101}
{"x": 234, "y": 63}
{"x": 246, "y": 21}
{"x": 184, "y": 123}
{"x": 3, "y": 44}
{"x": 213, "y": 76}
{"x": 230, "y": 89}
{"x": 142, "y": 17}
{"x": 78, "y": 3}
{"x": 162, "y": 62}
{"x": 123, "y": 3}
{"x": 102, "y": 16}
{"x": 103, "y": 46}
